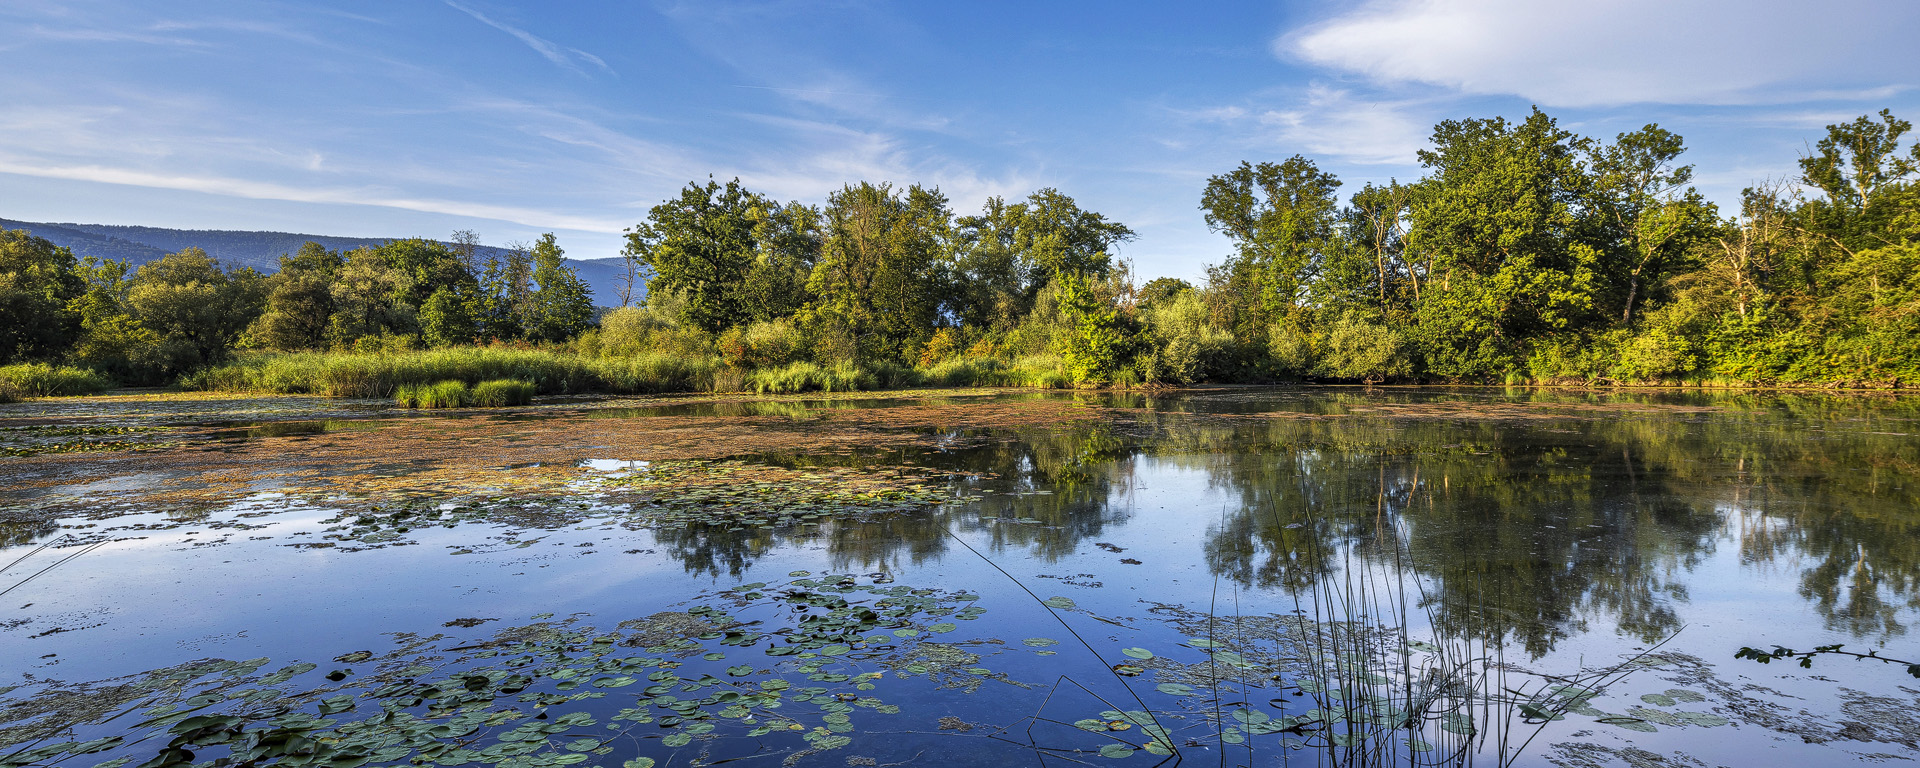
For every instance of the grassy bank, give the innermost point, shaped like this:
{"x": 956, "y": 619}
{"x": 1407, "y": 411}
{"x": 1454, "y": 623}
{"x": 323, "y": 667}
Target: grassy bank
{"x": 547, "y": 372}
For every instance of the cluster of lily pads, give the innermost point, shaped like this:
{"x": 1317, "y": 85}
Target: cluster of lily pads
{"x": 544, "y": 694}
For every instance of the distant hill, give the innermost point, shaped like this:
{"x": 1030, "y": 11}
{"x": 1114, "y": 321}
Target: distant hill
{"x": 261, "y": 250}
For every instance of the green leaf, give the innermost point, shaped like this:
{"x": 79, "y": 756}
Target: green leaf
{"x": 1116, "y": 751}
{"x": 1138, "y": 653}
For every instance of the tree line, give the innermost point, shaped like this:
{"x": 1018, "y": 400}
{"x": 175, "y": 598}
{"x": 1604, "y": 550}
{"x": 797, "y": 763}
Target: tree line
{"x": 1524, "y": 252}
{"x": 186, "y": 310}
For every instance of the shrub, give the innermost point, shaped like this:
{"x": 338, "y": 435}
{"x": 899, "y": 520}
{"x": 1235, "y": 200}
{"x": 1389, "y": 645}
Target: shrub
{"x": 649, "y": 330}
{"x": 1358, "y": 349}
{"x": 43, "y": 380}
{"x": 763, "y": 345}
{"x": 8, "y": 394}
{"x": 1185, "y": 345}
{"x": 1656, "y": 355}
{"x": 1292, "y": 350}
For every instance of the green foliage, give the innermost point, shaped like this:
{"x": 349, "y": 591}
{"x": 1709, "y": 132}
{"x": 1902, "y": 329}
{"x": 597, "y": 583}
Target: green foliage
{"x": 702, "y": 246}
{"x": 37, "y": 282}
{"x": 561, "y": 306}
{"x": 43, "y": 380}
{"x": 1359, "y": 349}
{"x": 1281, "y": 219}
{"x": 196, "y": 308}
{"x": 878, "y": 278}
{"x": 768, "y": 344}
{"x": 1097, "y": 342}
{"x": 1185, "y": 346}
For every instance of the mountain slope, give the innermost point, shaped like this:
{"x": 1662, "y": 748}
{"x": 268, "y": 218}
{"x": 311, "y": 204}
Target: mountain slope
{"x": 262, "y": 250}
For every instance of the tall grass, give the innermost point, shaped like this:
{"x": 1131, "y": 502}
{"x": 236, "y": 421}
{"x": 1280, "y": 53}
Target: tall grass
{"x": 500, "y": 393}
{"x": 43, "y": 380}
{"x": 1039, "y": 371}
{"x": 445, "y": 394}
{"x": 655, "y": 372}
{"x": 382, "y": 375}
{"x": 553, "y": 372}
{"x": 808, "y": 377}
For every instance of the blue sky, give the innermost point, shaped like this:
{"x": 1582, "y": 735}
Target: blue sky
{"x": 421, "y": 117}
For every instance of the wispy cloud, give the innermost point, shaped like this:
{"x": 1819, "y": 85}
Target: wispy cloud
{"x": 258, "y": 190}
{"x": 554, "y": 52}
{"x": 1325, "y": 121}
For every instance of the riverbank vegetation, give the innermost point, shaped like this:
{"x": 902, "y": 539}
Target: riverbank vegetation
{"x": 1526, "y": 253}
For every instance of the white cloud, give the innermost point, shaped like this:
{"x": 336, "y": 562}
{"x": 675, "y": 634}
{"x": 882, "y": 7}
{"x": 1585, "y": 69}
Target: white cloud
{"x": 1609, "y": 52}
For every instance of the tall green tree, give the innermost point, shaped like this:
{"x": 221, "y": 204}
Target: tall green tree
{"x": 882, "y": 266}
{"x": 1500, "y": 218}
{"x": 197, "y": 308}
{"x": 1649, "y": 228}
{"x": 1281, "y": 218}
{"x": 562, "y": 304}
{"x": 1010, "y": 252}
{"x": 371, "y": 300}
{"x": 37, "y": 282}
{"x": 111, "y": 339}
{"x": 702, "y": 246}
{"x": 506, "y": 294}
{"x": 299, "y": 300}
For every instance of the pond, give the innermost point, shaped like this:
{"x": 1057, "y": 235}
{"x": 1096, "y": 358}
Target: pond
{"x": 1240, "y": 576}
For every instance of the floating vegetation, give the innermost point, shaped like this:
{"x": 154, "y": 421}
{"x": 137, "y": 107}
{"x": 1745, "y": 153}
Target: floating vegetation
{"x": 545, "y": 694}
{"x": 738, "y": 493}
{"x": 34, "y": 441}
{"x": 731, "y": 495}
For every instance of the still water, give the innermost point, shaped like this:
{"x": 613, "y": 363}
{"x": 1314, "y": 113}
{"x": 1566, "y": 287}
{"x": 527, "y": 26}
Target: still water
{"x": 1245, "y": 576}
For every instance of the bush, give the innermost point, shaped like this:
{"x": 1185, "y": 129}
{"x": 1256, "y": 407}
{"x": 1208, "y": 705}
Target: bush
{"x": 43, "y": 380}
{"x": 1358, "y": 349}
{"x": 1656, "y": 355}
{"x": 763, "y": 345}
{"x": 1185, "y": 345}
{"x": 1292, "y": 350}
{"x": 500, "y": 393}
{"x": 8, "y": 394}
{"x": 631, "y": 331}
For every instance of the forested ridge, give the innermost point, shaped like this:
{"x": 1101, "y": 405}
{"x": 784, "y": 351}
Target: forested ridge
{"x": 1525, "y": 253}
